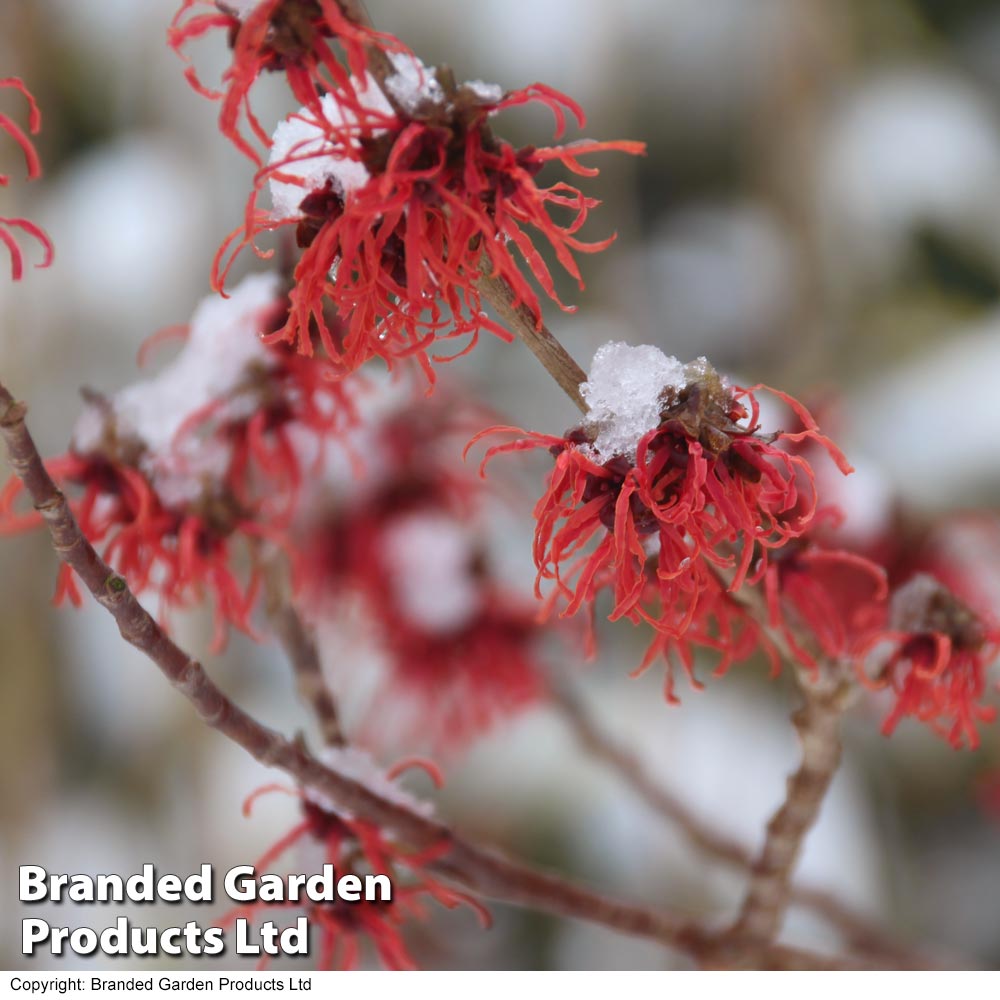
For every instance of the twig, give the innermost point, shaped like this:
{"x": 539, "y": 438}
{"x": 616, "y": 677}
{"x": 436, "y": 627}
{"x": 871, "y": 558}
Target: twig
{"x": 300, "y": 648}
{"x": 858, "y": 931}
{"x": 536, "y": 335}
{"x": 818, "y": 726}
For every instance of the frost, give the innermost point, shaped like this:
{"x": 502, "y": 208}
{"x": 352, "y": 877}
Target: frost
{"x": 88, "y": 434}
{"x": 430, "y": 556}
{"x": 623, "y": 395}
{"x": 413, "y": 83}
{"x": 301, "y": 149}
{"x": 301, "y": 146}
{"x": 488, "y": 93}
{"x": 223, "y": 344}
{"x": 359, "y": 765}
{"x": 222, "y": 349}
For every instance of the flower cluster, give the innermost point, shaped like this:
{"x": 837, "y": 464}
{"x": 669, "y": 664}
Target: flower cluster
{"x": 933, "y": 653}
{"x": 181, "y": 471}
{"x": 670, "y": 498}
{"x": 399, "y": 223}
{"x": 399, "y": 194}
{"x": 354, "y": 846}
{"x": 402, "y": 563}
{"x": 9, "y": 227}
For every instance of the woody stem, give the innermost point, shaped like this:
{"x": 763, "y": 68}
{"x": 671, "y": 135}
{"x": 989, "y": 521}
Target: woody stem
{"x": 300, "y": 648}
{"x": 818, "y": 725}
{"x": 556, "y": 360}
{"x": 857, "y": 929}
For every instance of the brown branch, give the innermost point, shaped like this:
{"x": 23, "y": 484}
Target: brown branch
{"x": 299, "y": 645}
{"x": 767, "y": 899}
{"x": 536, "y": 335}
{"x": 474, "y": 868}
{"x": 860, "y": 933}
{"x": 300, "y": 648}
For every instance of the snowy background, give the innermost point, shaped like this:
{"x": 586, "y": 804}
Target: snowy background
{"x": 820, "y": 209}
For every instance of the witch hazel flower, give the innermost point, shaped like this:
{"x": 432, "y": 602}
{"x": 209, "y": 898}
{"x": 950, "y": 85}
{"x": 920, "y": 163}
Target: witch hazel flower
{"x": 10, "y": 228}
{"x": 822, "y": 599}
{"x": 357, "y": 847}
{"x": 669, "y": 495}
{"x": 404, "y": 566}
{"x": 180, "y": 472}
{"x": 400, "y": 221}
{"x": 299, "y": 38}
{"x": 933, "y": 654}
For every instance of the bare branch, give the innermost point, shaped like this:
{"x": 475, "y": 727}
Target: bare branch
{"x": 536, "y": 335}
{"x": 300, "y": 648}
{"x": 859, "y": 932}
{"x": 818, "y": 726}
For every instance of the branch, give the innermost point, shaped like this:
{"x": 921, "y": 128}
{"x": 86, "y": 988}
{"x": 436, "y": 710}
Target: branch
{"x": 474, "y": 868}
{"x": 300, "y": 648}
{"x": 536, "y": 335}
{"x": 860, "y": 933}
{"x": 818, "y": 726}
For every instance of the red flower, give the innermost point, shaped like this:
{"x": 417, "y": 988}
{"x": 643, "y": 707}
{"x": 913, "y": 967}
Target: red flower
{"x": 354, "y": 846}
{"x": 694, "y": 512}
{"x": 10, "y": 227}
{"x": 291, "y": 414}
{"x": 717, "y": 622}
{"x": 418, "y": 205}
{"x": 401, "y": 564}
{"x": 940, "y": 652}
{"x": 179, "y": 553}
{"x": 180, "y": 472}
{"x": 831, "y": 595}
{"x": 296, "y": 37}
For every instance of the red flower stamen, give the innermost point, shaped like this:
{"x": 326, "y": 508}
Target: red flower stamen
{"x": 10, "y": 227}
{"x": 940, "y": 650}
{"x": 296, "y": 37}
{"x": 419, "y": 205}
{"x": 706, "y": 498}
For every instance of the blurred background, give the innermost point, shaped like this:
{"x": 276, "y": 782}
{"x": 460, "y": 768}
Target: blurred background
{"x": 820, "y": 209}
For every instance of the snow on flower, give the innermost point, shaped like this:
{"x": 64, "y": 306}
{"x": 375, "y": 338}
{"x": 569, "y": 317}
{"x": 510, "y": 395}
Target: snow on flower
{"x": 406, "y": 182}
{"x": 670, "y": 497}
{"x": 624, "y": 396}
{"x": 306, "y": 161}
{"x": 933, "y": 653}
{"x": 213, "y": 371}
{"x": 11, "y": 227}
{"x": 182, "y": 471}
